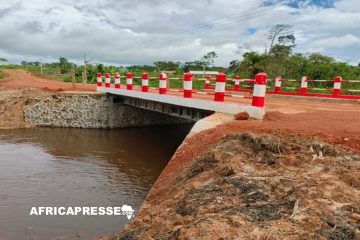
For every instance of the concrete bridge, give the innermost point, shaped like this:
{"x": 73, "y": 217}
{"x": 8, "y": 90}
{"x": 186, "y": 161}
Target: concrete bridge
{"x": 184, "y": 103}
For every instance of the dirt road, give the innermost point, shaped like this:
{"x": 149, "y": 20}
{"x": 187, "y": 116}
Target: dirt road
{"x": 20, "y": 78}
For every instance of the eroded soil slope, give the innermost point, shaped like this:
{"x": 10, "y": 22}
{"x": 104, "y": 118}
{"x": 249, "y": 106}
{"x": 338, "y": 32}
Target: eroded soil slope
{"x": 12, "y": 104}
{"x": 259, "y": 186}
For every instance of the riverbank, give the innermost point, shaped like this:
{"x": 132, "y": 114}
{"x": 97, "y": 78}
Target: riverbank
{"x": 293, "y": 175}
{"x": 29, "y": 107}
{"x": 19, "y": 90}
{"x": 12, "y": 104}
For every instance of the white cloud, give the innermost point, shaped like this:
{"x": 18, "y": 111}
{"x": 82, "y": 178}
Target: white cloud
{"x": 337, "y": 42}
{"x": 141, "y": 32}
{"x": 348, "y": 6}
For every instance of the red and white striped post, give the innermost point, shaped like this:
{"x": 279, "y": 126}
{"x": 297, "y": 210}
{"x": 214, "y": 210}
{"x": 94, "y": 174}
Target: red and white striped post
{"x": 278, "y": 84}
{"x": 107, "y": 80}
{"x": 162, "y": 83}
{"x": 188, "y": 85}
{"x": 207, "y": 82}
{"x": 145, "y": 82}
{"x": 237, "y": 83}
{"x": 117, "y": 80}
{"x": 99, "y": 79}
{"x": 337, "y": 86}
{"x": 304, "y": 85}
{"x": 129, "y": 81}
{"x": 259, "y": 90}
{"x": 220, "y": 87}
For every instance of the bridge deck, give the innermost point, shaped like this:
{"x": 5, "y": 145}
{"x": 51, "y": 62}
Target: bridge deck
{"x": 194, "y": 103}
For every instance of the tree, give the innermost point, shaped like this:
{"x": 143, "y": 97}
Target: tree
{"x": 253, "y": 62}
{"x": 345, "y": 70}
{"x": 167, "y": 65}
{"x": 278, "y": 60}
{"x": 100, "y": 68}
{"x": 64, "y": 65}
{"x": 282, "y": 33}
{"x": 208, "y": 59}
{"x": 296, "y": 65}
{"x": 320, "y": 66}
{"x": 185, "y": 67}
{"x": 287, "y": 39}
{"x": 282, "y": 42}
{"x": 234, "y": 66}
{"x": 318, "y": 58}
{"x": 280, "y": 51}
{"x": 273, "y": 61}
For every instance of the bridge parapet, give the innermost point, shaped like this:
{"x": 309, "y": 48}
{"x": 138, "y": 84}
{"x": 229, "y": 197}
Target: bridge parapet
{"x": 190, "y": 106}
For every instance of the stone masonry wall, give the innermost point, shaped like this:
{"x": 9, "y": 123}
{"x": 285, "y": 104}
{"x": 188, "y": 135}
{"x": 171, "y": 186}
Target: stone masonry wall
{"x": 91, "y": 111}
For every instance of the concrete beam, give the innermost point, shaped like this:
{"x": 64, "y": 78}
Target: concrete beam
{"x": 192, "y": 114}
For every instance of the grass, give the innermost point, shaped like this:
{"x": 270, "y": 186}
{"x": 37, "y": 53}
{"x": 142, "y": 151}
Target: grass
{"x": 323, "y": 85}
{"x": 50, "y": 73}
{"x": 1, "y": 73}
{"x": 10, "y": 66}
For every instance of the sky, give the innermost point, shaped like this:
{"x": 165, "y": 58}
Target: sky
{"x": 126, "y": 32}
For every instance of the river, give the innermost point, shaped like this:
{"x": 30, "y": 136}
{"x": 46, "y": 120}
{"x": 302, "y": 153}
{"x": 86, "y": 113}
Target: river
{"x": 78, "y": 167}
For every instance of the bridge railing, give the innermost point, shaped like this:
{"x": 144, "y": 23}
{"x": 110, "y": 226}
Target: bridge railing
{"x": 336, "y": 88}
{"x": 219, "y": 91}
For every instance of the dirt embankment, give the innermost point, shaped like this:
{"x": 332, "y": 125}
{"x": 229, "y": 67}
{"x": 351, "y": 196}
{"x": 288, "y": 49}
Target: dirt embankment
{"x": 12, "y": 104}
{"x": 291, "y": 176}
{"x": 20, "y": 89}
{"x": 252, "y": 186}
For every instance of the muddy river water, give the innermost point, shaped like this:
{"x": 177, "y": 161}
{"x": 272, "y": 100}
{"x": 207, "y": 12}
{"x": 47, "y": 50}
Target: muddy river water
{"x": 78, "y": 167}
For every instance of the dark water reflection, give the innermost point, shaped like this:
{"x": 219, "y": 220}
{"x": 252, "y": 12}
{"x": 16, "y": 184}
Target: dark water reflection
{"x": 78, "y": 167}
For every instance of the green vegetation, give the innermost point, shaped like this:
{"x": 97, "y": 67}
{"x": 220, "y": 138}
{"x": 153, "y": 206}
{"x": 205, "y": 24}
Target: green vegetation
{"x": 63, "y": 70}
{"x": 1, "y": 71}
{"x": 59, "y": 70}
{"x": 279, "y": 60}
